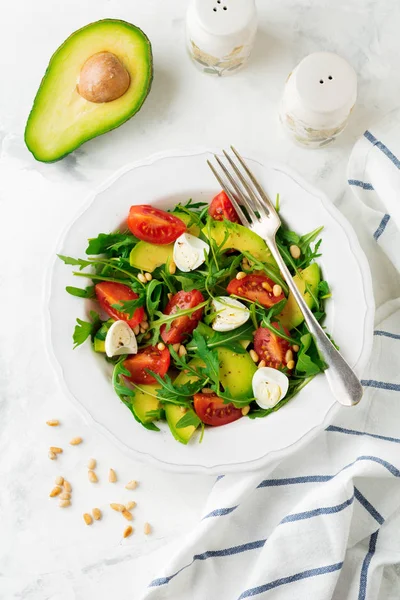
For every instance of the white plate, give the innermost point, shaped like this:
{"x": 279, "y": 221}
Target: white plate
{"x": 245, "y": 444}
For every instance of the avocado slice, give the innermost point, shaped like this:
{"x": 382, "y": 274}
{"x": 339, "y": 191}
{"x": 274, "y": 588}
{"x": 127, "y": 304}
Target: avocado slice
{"x": 240, "y": 238}
{"x": 291, "y": 316}
{"x": 148, "y": 257}
{"x": 236, "y": 373}
{"x": 99, "y": 344}
{"x": 173, "y": 414}
{"x": 144, "y": 401}
{"x": 61, "y": 118}
{"x": 193, "y": 229}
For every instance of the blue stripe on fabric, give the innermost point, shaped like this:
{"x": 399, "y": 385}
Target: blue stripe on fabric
{"x": 327, "y": 510}
{"x": 388, "y": 334}
{"x": 219, "y": 512}
{"x": 381, "y": 227}
{"x": 371, "y": 138}
{"x": 382, "y": 385}
{"x": 361, "y": 184}
{"x": 285, "y": 580}
{"x": 211, "y": 554}
{"x": 365, "y": 566}
{"x": 386, "y": 438}
{"x": 368, "y": 506}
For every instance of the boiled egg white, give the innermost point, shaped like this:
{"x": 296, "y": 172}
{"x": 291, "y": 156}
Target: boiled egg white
{"x": 269, "y": 386}
{"x": 120, "y": 339}
{"x": 230, "y": 313}
{"x": 189, "y": 251}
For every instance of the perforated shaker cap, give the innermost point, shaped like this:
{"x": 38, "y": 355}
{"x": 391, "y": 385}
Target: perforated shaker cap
{"x": 326, "y": 83}
{"x": 224, "y": 17}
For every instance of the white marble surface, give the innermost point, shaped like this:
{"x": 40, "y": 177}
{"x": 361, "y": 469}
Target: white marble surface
{"x": 46, "y": 552}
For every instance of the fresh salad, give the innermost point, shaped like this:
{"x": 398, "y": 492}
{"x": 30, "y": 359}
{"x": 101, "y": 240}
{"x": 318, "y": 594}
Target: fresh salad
{"x": 195, "y": 318}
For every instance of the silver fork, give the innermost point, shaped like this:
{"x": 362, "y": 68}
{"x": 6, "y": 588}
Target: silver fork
{"x": 243, "y": 189}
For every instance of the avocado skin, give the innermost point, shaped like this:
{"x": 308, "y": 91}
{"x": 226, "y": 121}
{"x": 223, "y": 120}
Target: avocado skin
{"x": 101, "y": 131}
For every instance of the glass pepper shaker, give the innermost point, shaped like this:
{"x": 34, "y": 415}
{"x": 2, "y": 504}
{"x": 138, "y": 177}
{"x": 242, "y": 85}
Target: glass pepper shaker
{"x": 220, "y": 34}
{"x": 319, "y": 96}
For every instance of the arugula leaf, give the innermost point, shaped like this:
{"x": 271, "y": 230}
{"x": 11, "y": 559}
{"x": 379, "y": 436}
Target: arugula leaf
{"x": 129, "y": 307}
{"x": 80, "y": 293}
{"x": 307, "y": 239}
{"x": 324, "y": 290}
{"x": 209, "y": 357}
{"x": 157, "y": 414}
{"x": 308, "y": 359}
{"x": 105, "y": 242}
{"x": 153, "y": 296}
{"x": 76, "y": 262}
{"x": 269, "y": 270}
{"x": 188, "y": 419}
{"x": 288, "y": 236}
{"x": 166, "y": 320}
{"x": 230, "y": 339}
{"x": 176, "y": 394}
{"x": 84, "y": 329}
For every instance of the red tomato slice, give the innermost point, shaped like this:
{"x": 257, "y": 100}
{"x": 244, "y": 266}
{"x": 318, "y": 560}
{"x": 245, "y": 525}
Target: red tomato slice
{"x": 149, "y": 358}
{"x": 222, "y": 208}
{"x": 212, "y": 410}
{"x": 255, "y": 287}
{"x": 271, "y": 347}
{"x": 109, "y": 293}
{"x": 154, "y": 225}
{"x": 182, "y": 326}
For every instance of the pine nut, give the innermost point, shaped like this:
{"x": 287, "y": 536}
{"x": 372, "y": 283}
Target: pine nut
{"x": 176, "y": 347}
{"x": 295, "y": 251}
{"x": 96, "y": 512}
{"x": 131, "y": 485}
{"x": 245, "y": 410}
{"x": 206, "y": 391}
{"x": 125, "y": 513}
{"x": 262, "y": 364}
{"x": 182, "y": 350}
{"x": 288, "y": 356}
{"x": 112, "y": 476}
{"x": 136, "y": 330}
{"x": 91, "y": 464}
{"x": 172, "y": 268}
{"x": 145, "y": 317}
{"x": 55, "y": 491}
{"x": 160, "y": 346}
{"x": 117, "y": 507}
{"x": 254, "y": 355}
{"x": 148, "y": 276}
{"x": 92, "y": 477}
{"x": 290, "y": 365}
{"x": 65, "y": 496}
{"x": 76, "y": 441}
{"x": 169, "y": 296}
{"x": 56, "y": 450}
{"x": 277, "y": 290}
{"x": 295, "y": 348}
{"x": 144, "y": 325}
{"x": 52, "y": 455}
{"x": 147, "y": 529}
{"x": 141, "y": 330}
{"x": 59, "y": 480}
{"x": 147, "y": 336}
{"x": 241, "y": 275}
{"x": 265, "y": 285}
{"x": 129, "y": 505}
{"x": 87, "y": 518}
{"x": 53, "y": 422}
{"x": 64, "y": 503}
{"x": 183, "y": 409}
{"x": 128, "y": 531}
{"x": 141, "y": 278}
{"x": 67, "y": 486}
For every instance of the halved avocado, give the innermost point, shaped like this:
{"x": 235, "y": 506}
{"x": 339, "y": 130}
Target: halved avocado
{"x": 173, "y": 414}
{"x": 61, "y": 118}
{"x": 148, "y": 257}
{"x": 145, "y": 400}
{"x": 236, "y": 372}
{"x": 291, "y": 316}
{"x": 240, "y": 238}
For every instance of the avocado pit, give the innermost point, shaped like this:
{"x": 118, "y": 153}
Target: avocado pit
{"x": 103, "y": 78}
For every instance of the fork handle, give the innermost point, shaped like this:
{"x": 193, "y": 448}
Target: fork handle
{"x": 342, "y": 380}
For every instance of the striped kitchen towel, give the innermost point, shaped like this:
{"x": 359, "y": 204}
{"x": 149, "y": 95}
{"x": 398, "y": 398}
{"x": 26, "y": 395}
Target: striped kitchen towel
{"x": 325, "y": 522}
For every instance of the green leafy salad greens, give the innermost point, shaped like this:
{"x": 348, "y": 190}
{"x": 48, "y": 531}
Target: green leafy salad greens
{"x": 207, "y": 361}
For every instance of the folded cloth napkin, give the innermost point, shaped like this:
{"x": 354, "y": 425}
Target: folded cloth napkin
{"x": 325, "y": 522}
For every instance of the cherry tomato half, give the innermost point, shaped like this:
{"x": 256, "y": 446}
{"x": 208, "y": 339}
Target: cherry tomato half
{"x": 149, "y": 358}
{"x": 212, "y": 410}
{"x": 109, "y": 293}
{"x": 271, "y": 347}
{"x": 255, "y": 287}
{"x": 154, "y": 225}
{"x": 222, "y": 208}
{"x": 182, "y": 326}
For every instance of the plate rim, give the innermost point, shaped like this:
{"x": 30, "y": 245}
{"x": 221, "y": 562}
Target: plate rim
{"x": 274, "y": 455}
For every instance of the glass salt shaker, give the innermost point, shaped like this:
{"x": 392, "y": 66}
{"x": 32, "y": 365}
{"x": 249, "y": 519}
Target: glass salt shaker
{"x": 220, "y": 34}
{"x": 319, "y": 96}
